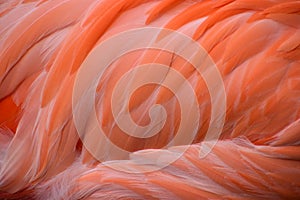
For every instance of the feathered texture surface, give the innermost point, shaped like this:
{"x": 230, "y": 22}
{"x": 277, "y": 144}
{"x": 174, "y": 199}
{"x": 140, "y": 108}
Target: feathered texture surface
{"x": 256, "y": 47}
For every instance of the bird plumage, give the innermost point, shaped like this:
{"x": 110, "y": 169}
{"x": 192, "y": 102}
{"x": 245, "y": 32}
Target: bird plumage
{"x": 255, "y": 45}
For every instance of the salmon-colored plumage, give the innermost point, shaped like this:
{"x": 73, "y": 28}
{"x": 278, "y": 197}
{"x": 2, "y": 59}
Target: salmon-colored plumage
{"x": 254, "y": 44}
